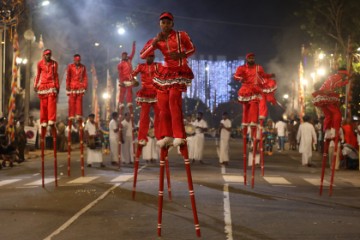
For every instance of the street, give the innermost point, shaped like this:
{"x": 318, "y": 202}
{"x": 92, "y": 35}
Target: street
{"x": 284, "y": 203}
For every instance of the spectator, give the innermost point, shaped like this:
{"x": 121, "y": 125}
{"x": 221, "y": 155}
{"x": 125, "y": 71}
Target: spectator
{"x": 280, "y": 127}
{"x": 94, "y": 144}
{"x": 306, "y": 136}
{"x": 127, "y": 150}
{"x": 225, "y": 131}
{"x": 199, "y": 139}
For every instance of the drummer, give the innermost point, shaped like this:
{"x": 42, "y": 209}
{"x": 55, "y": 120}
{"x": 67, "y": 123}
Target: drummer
{"x": 92, "y": 137}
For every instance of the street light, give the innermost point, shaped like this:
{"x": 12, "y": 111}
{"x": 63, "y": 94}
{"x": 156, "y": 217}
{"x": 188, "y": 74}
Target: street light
{"x": 106, "y": 96}
{"x": 45, "y": 3}
{"x": 286, "y": 96}
{"x": 121, "y": 30}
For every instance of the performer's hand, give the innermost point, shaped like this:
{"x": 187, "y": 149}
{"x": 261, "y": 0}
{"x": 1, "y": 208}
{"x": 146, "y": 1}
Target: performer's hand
{"x": 121, "y": 84}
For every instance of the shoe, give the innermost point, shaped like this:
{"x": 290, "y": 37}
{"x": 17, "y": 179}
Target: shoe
{"x": 166, "y": 141}
{"x": 178, "y": 142}
{"x": 89, "y": 165}
{"x": 142, "y": 142}
{"x": 102, "y": 165}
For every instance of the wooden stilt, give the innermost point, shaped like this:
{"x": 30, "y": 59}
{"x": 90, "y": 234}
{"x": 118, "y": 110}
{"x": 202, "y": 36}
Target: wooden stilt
{"x": 262, "y": 147}
{"x": 81, "y": 131}
{"x": 167, "y": 169}
{"x": 245, "y": 152}
{"x": 333, "y": 162}
{"x": 69, "y": 147}
{"x": 54, "y": 135}
{"x": 161, "y": 189}
{"x": 136, "y": 167}
{"x": 185, "y": 154}
{"x": 120, "y": 135}
{"x": 254, "y": 137}
{"x": 42, "y": 146}
{"x": 324, "y": 160}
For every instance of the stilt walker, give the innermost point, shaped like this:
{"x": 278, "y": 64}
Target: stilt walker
{"x": 268, "y": 95}
{"x": 323, "y": 165}
{"x": 252, "y": 77}
{"x": 76, "y": 85}
{"x": 146, "y": 99}
{"x": 46, "y": 85}
{"x": 126, "y": 84}
{"x": 171, "y": 80}
{"x": 328, "y": 100}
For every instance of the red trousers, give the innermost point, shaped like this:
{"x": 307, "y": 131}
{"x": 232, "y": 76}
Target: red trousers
{"x": 125, "y": 93}
{"x": 250, "y": 112}
{"x": 145, "y": 120}
{"x": 263, "y": 110}
{"x": 171, "y": 122}
{"x": 75, "y": 105}
{"x": 332, "y": 116}
{"x": 47, "y": 109}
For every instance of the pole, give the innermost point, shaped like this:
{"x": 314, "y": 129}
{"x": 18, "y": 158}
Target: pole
{"x": 261, "y": 146}
{"x": 254, "y": 137}
{"x": 325, "y": 154}
{"x": 334, "y": 161}
{"x": 55, "y": 154}
{"x": 27, "y": 85}
{"x": 167, "y": 169}
{"x": 42, "y": 146}
{"x": 69, "y": 146}
{"x": 161, "y": 189}
{"x": 136, "y": 167}
{"x": 244, "y": 151}
{"x": 81, "y": 131}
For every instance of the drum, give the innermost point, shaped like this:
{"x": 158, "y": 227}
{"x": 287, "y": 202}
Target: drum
{"x": 189, "y": 129}
{"x": 151, "y": 133}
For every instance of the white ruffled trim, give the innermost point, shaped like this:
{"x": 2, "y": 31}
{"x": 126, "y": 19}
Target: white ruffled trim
{"x": 47, "y": 91}
{"x": 181, "y": 81}
{"x": 247, "y": 99}
{"x": 326, "y": 99}
{"x": 76, "y": 91}
{"x": 146, "y": 100}
{"x": 269, "y": 90}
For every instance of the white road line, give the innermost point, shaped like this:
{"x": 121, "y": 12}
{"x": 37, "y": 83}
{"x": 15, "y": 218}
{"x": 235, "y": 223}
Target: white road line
{"x": 227, "y": 213}
{"x": 127, "y": 176}
{"x": 39, "y": 182}
{"x": 81, "y": 212}
{"x": 316, "y": 181}
{"x": 233, "y": 178}
{"x": 277, "y": 181}
{"x": 9, "y": 181}
{"x": 82, "y": 180}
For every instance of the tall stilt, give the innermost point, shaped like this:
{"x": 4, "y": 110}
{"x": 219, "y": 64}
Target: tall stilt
{"x": 133, "y": 126}
{"x": 81, "y": 131}
{"x": 262, "y": 147}
{"x": 324, "y": 160}
{"x": 120, "y": 135}
{"x": 161, "y": 189}
{"x": 42, "y": 146}
{"x": 54, "y": 135}
{"x": 168, "y": 174}
{"x": 69, "y": 147}
{"x": 245, "y": 152}
{"x": 136, "y": 167}
{"x": 333, "y": 162}
{"x": 254, "y": 137}
{"x": 185, "y": 154}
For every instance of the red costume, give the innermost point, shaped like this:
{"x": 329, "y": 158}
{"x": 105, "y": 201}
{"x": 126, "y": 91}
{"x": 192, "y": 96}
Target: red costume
{"x": 268, "y": 95}
{"x": 146, "y": 98}
{"x": 329, "y": 101}
{"x": 171, "y": 80}
{"x": 125, "y": 69}
{"x": 76, "y": 85}
{"x": 46, "y": 85}
{"x": 250, "y": 92}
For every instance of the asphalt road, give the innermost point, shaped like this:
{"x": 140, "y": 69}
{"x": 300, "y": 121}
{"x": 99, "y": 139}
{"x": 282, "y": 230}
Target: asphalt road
{"x": 284, "y": 203}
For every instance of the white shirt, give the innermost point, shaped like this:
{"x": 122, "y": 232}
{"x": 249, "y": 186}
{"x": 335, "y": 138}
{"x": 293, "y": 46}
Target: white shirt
{"x": 112, "y": 126}
{"x": 202, "y": 124}
{"x": 224, "y": 133}
{"x": 280, "y": 128}
{"x": 127, "y": 128}
{"x": 91, "y": 128}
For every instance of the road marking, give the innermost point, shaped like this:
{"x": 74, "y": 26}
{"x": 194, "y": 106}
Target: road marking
{"x": 233, "y": 178}
{"x": 316, "y": 181}
{"x": 122, "y": 178}
{"x": 227, "y": 213}
{"x": 82, "y": 180}
{"x": 5, "y": 182}
{"x": 81, "y": 212}
{"x": 39, "y": 182}
{"x": 353, "y": 181}
{"x": 277, "y": 181}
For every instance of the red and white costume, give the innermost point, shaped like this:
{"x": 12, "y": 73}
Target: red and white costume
{"x": 171, "y": 80}
{"x": 250, "y": 93}
{"x": 146, "y": 98}
{"x": 268, "y": 95}
{"x": 46, "y": 85}
{"x": 328, "y": 100}
{"x": 124, "y": 70}
{"x": 76, "y": 85}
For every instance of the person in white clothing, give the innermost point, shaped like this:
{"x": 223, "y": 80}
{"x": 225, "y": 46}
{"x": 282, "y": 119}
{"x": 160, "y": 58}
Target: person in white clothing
{"x": 199, "y": 139}
{"x": 306, "y": 137}
{"x": 225, "y": 132}
{"x": 114, "y": 138}
{"x": 281, "y": 129}
{"x": 127, "y": 152}
{"x": 92, "y": 137}
{"x": 190, "y": 134}
{"x": 150, "y": 151}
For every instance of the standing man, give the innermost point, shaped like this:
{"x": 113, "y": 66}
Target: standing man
{"x": 114, "y": 138}
{"x": 76, "y": 85}
{"x": 252, "y": 77}
{"x": 199, "y": 139}
{"x": 94, "y": 147}
{"x": 46, "y": 85}
{"x": 125, "y": 79}
{"x": 127, "y": 152}
{"x": 306, "y": 136}
{"x": 225, "y": 132}
{"x": 281, "y": 129}
{"x": 146, "y": 97}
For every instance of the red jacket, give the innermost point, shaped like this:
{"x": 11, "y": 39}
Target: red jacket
{"x": 76, "y": 79}
{"x": 125, "y": 67}
{"x": 251, "y": 75}
{"x": 47, "y": 78}
{"x": 147, "y": 73}
{"x": 177, "y": 41}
